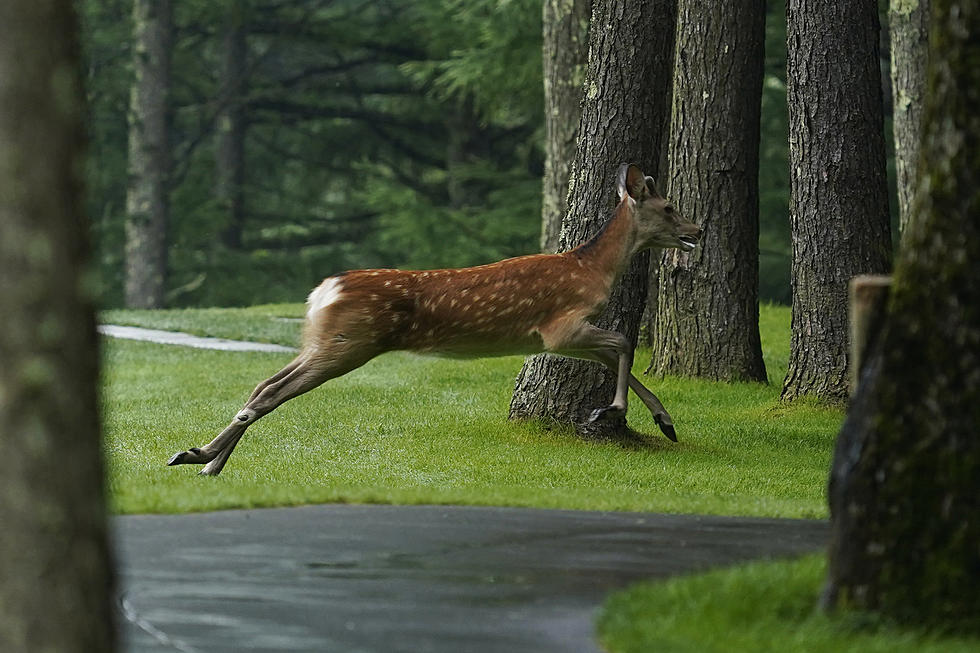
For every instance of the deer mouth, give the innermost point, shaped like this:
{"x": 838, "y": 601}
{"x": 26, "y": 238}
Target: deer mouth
{"x": 687, "y": 243}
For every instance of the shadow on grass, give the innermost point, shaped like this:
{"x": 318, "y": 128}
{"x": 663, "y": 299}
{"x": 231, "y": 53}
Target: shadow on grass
{"x": 623, "y": 437}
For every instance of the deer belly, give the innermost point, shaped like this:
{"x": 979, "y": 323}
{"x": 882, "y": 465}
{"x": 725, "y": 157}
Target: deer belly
{"x": 471, "y": 338}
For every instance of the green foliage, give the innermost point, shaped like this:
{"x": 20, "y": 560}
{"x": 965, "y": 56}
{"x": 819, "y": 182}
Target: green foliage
{"x": 415, "y": 233}
{"x": 410, "y": 429}
{"x": 761, "y": 607}
{"x": 349, "y": 108}
{"x": 506, "y": 32}
{"x": 106, "y": 29}
{"x": 774, "y": 189}
{"x": 378, "y": 134}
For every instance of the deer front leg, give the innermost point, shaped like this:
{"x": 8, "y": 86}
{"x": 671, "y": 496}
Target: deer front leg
{"x": 650, "y": 400}
{"x": 592, "y": 343}
{"x": 618, "y": 406}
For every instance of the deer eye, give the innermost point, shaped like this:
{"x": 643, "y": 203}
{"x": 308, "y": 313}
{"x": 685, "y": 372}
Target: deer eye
{"x": 668, "y": 209}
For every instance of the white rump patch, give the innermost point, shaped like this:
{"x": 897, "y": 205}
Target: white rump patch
{"x": 323, "y": 295}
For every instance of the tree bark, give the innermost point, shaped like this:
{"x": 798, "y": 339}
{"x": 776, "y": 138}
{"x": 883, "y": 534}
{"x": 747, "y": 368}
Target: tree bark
{"x": 623, "y": 120}
{"x": 707, "y": 318}
{"x": 230, "y": 189}
{"x": 904, "y": 495}
{"x": 54, "y": 559}
{"x": 908, "y": 23}
{"x": 565, "y": 56}
{"x": 839, "y": 201}
{"x": 147, "y": 204}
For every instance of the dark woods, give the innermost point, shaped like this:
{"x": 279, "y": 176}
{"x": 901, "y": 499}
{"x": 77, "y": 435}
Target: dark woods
{"x": 312, "y": 137}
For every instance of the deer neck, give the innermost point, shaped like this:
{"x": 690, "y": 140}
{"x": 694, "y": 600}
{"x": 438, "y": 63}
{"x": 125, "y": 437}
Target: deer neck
{"x": 609, "y": 252}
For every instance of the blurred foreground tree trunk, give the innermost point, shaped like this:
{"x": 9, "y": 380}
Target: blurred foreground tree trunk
{"x": 230, "y": 171}
{"x": 905, "y": 483}
{"x": 707, "y": 317}
{"x": 839, "y": 196}
{"x": 565, "y": 53}
{"x": 147, "y": 201}
{"x": 55, "y": 590}
{"x": 908, "y": 25}
{"x": 623, "y": 120}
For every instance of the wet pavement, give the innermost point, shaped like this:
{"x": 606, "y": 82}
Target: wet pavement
{"x": 359, "y": 578}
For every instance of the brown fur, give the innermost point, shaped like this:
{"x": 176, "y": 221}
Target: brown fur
{"x": 521, "y": 305}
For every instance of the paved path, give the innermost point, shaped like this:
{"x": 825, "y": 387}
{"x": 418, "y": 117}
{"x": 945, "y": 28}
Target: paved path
{"x": 186, "y": 339}
{"x": 356, "y": 578}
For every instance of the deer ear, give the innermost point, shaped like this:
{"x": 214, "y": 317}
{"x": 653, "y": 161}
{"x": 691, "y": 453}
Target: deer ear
{"x": 631, "y": 182}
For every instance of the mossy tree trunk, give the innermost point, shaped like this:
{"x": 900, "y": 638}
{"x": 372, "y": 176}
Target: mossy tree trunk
{"x": 624, "y": 117}
{"x": 905, "y": 484}
{"x": 839, "y": 198}
{"x": 55, "y": 592}
{"x": 707, "y": 319}
{"x": 565, "y": 54}
{"x": 231, "y": 126}
{"x": 147, "y": 202}
{"x": 908, "y": 26}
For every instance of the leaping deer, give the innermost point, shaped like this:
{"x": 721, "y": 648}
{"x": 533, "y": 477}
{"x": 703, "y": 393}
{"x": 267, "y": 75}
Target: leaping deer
{"x": 525, "y": 305}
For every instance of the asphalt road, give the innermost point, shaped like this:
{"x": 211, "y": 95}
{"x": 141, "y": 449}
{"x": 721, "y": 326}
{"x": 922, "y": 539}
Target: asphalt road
{"x": 358, "y": 578}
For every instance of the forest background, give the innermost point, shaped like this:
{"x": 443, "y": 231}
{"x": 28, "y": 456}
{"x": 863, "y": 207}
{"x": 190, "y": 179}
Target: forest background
{"x": 310, "y": 138}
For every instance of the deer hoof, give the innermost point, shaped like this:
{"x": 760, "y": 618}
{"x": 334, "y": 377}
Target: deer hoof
{"x": 667, "y": 428}
{"x": 189, "y": 457}
{"x": 607, "y": 413}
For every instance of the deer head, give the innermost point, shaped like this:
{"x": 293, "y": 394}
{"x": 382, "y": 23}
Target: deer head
{"x": 658, "y": 222}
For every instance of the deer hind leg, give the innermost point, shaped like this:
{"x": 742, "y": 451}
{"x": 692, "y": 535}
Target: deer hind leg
{"x": 302, "y": 375}
{"x": 278, "y": 376}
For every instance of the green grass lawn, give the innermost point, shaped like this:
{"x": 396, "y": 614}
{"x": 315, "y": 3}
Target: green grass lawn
{"x": 408, "y": 429}
{"x": 411, "y": 429}
{"x": 758, "y": 607}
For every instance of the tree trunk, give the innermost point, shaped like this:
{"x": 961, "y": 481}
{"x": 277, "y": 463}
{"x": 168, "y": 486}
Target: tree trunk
{"x": 147, "y": 204}
{"x": 54, "y": 558}
{"x": 904, "y": 495}
{"x": 839, "y": 201}
{"x": 231, "y": 129}
{"x": 566, "y": 53}
{"x": 908, "y": 22}
{"x": 707, "y": 318}
{"x": 623, "y": 120}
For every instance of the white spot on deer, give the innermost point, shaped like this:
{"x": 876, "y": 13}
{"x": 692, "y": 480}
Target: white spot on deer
{"x": 323, "y": 295}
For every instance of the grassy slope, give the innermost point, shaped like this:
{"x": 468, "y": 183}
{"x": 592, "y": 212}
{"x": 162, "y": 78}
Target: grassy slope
{"x": 408, "y": 429}
{"x": 759, "y": 607}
